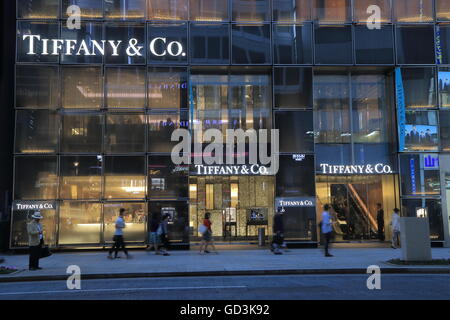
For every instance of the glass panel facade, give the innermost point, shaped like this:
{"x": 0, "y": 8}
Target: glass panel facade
{"x": 162, "y": 41}
{"x": 125, "y": 87}
{"x": 374, "y": 46}
{"x": 293, "y": 87}
{"x": 38, "y": 9}
{"x": 125, "y": 177}
{"x": 167, "y": 88}
{"x": 82, "y": 88}
{"x": 251, "y": 44}
{"x": 361, "y": 8}
{"x": 166, "y": 180}
{"x": 336, "y": 39}
{"x": 444, "y": 87}
{"x": 82, "y": 133}
{"x": 210, "y": 43}
{"x": 208, "y": 10}
{"x": 421, "y": 131}
{"x": 430, "y": 208}
{"x": 443, "y": 10}
{"x": 135, "y": 213}
{"x": 27, "y": 46}
{"x": 250, "y": 10}
{"x": 88, "y": 32}
{"x": 299, "y": 124}
{"x": 408, "y": 52}
{"x": 125, "y": 133}
{"x": 124, "y": 9}
{"x": 80, "y": 223}
{"x": 444, "y": 118}
{"x": 292, "y": 11}
{"x": 125, "y": 54}
{"x": 419, "y": 87}
{"x": 420, "y": 174}
{"x": 167, "y": 10}
{"x": 89, "y": 9}
{"x": 292, "y": 44}
{"x": 160, "y": 129}
{"x": 332, "y": 11}
{"x": 414, "y": 10}
{"x": 80, "y": 177}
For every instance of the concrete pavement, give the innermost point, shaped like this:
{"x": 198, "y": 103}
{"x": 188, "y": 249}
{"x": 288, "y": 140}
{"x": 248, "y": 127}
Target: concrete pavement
{"x": 228, "y": 262}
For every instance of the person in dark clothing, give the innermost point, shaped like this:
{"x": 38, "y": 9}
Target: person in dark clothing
{"x": 278, "y": 232}
{"x": 154, "y": 239}
{"x": 380, "y": 222}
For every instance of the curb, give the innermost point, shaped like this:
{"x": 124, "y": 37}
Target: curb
{"x": 360, "y": 271}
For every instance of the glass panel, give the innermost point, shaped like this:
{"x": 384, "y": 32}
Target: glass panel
{"x": 36, "y": 131}
{"x": 374, "y": 46}
{"x": 168, "y": 43}
{"x": 444, "y": 119}
{"x": 292, "y": 11}
{"x": 179, "y": 219}
{"x": 35, "y": 178}
{"x": 125, "y": 87}
{"x": 298, "y": 124}
{"x": 210, "y": 43}
{"x": 37, "y": 87}
{"x": 88, "y": 33}
{"x": 209, "y": 199}
{"x": 161, "y": 127}
{"x": 415, "y": 44}
{"x": 428, "y": 208}
{"x": 332, "y": 11}
{"x": 209, "y": 10}
{"x": 443, "y": 44}
{"x": 421, "y": 131}
{"x": 333, "y": 154}
{"x": 135, "y": 219}
{"x": 125, "y": 133}
{"x": 38, "y": 9}
{"x": 414, "y": 10}
{"x": 126, "y": 32}
{"x": 293, "y": 87}
{"x": 167, "y": 180}
{"x": 81, "y": 177}
{"x": 292, "y": 175}
{"x": 19, "y": 234}
{"x": 292, "y": 44}
{"x": 251, "y": 44}
{"x": 361, "y": 7}
{"x": 82, "y": 133}
{"x": 167, "y": 88}
{"x": 167, "y": 9}
{"x": 419, "y": 87}
{"x": 444, "y": 87}
{"x": 80, "y": 223}
{"x": 336, "y": 39}
{"x": 82, "y": 87}
{"x": 125, "y": 177}
{"x": 90, "y": 9}
{"x": 30, "y": 49}
{"x": 251, "y": 10}
{"x": 443, "y": 9}
{"x": 420, "y": 174}
{"x": 124, "y": 9}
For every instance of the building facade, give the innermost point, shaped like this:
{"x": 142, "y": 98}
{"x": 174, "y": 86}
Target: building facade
{"x": 359, "y": 91}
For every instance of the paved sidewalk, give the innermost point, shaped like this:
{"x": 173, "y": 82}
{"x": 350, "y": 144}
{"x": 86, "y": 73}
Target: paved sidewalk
{"x": 227, "y": 262}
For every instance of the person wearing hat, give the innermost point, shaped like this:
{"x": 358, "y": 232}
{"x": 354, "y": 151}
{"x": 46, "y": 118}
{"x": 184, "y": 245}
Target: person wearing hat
{"x": 35, "y": 239}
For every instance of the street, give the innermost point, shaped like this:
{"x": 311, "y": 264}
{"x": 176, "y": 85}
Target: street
{"x": 323, "y": 287}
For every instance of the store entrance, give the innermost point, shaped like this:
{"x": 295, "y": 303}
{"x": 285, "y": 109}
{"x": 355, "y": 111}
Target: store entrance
{"x": 239, "y": 206}
{"x": 354, "y": 202}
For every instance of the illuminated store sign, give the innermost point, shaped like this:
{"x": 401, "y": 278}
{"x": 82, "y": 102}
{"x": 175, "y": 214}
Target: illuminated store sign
{"x": 295, "y": 202}
{"x": 34, "y": 205}
{"x": 231, "y": 170}
{"x": 378, "y": 168}
{"x": 71, "y": 47}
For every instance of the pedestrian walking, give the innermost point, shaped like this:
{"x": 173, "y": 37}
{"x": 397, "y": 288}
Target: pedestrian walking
{"x": 35, "y": 240}
{"x": 206, "y": 232}
{"x": 395, "y": 224}
{"x": 162, "y": 232}
{"x": 154, "y": 238}
{"x": 327, "y": 228}
{"x": 119, "y": 242}
{"x": 278, "y": 232}
{"x": 380, "y": 222}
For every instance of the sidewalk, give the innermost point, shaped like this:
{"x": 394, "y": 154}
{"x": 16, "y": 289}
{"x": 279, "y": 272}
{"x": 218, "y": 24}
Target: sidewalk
{"x": 228, "y": 262}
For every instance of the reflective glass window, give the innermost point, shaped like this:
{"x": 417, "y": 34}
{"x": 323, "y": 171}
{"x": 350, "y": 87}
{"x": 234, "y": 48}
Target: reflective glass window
{"x": 167, "y": 88}
{"x": 333, "y": 154}
{"x": 361, "y": 7}
{"x": 135, "y": 218}
{"x": 419, "y": 87}
{"x": 125, "y": 133}
{"x": 332, "y": 11}
{"x": 292, "y": 44}
{"x": 444, "y": 87}
{"x": 36, "y": 131}
{"x": 293, "y": 173}
{"x": 178, "y": 225}
{"x": 35, "y": 178}
{"x": 80, "y": 223}
{"x": 292, "y": 11}
{"x": 210, "y": 43}
{"x": 413, "y": 10}
{"x": 296, "y": 131}
{"x": 251, "y": 44}
{"x": 251, "y": 10}
{"x": 443, "y": 10}
{"x": 430, "y": 208}
{"x": 38, "y": 9}
{"x": 208, "y": 10}
{"x": 124, "y": 9}
{"x": 89, "y": 9}
{"x": 125, "y": 177}
{"x": 82, "y": 87}
{"x": 77, "y": 52}
{"x": 443, "y": 44}
{"x": 31, "y": 48}
{"x": 335, "y": 39}
{"x": 293, "y": 87}
{"x": 420, "y": 174}
{"x": 160, "y": 129}
{"x": 81, "y": 133}
{"x": 415, "y": 44}
{"x": 167, "y": 9}
{"x": 129, "y": 52}
{"x": 125, "y": 87}
{"x": 80, "y": 177}
{"x": 374, "y": 46}
{"x": 37, "y": 87}
{"x": 166, "y": 179}
{"x": 167, "y": 43}
{"x": 444, "y": 119}
{"x": 421, "y": 131}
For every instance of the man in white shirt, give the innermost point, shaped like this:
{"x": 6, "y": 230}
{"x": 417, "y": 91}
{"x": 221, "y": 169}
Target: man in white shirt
{"x": 395, "y": 223}
{"x": 119, "y": 242}
{"x": 327, "y": 228}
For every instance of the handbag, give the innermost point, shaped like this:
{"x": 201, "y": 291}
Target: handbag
{"x": 45, "y": 252}
{"x": 202, "y": 229}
